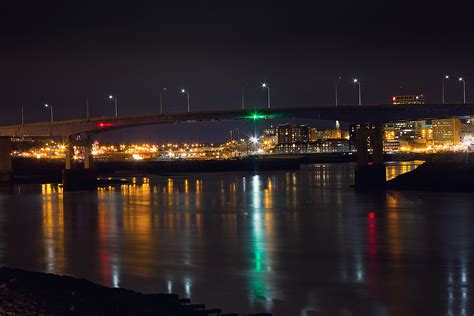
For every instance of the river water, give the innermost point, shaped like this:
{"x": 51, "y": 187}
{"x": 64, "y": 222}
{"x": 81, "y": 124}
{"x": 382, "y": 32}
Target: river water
{"x": 291, "y": 243}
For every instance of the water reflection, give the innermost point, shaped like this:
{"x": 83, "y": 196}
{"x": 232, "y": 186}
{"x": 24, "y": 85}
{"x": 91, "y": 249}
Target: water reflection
{"x": 394, "y": 169}
{"x": 53, "y": 228}
{"x": 291, "y": 243}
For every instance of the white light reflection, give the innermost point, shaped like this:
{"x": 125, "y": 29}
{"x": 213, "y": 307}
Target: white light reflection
{"x": 115, "y": 276}
{"x": 170, "y": 287}
{"x": 257, "y": 194}
{"x": 187, "y": 287}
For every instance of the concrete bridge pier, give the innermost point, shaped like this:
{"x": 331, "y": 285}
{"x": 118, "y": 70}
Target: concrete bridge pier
{"x": 75, "y": 176}
{"x": 370, "y": 174}
{"x": 5, "y": 161}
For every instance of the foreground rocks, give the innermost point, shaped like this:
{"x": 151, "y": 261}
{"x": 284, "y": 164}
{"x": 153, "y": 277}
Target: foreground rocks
{"x": 33, "y": 293}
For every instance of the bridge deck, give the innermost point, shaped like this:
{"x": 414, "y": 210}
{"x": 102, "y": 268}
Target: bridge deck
{"x": 350, "y": 114}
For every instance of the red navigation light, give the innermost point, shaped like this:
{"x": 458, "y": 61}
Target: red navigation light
{"x": 394, "y": 98}
{"x": 372, "y": 215}
{"x": 102, "y": 124}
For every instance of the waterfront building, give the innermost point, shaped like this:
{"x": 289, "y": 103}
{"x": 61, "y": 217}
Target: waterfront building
{"x": 446, "y": 132}
{"x": 353, "y": 129}
{"x": 332, "y": 145}
{"x": 330, "y": 134}
{"x": 292, "y": 138}
{"x": 313, "y": 134}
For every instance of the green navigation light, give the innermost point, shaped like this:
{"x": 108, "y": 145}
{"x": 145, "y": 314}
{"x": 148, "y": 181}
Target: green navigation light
{"x": 256, "y": 116}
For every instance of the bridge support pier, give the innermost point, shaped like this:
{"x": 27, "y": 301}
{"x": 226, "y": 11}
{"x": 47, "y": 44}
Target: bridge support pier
{"x": 5, "y": 160}
{"x": 370, "y": 174}
{"x": 74, "y": 177}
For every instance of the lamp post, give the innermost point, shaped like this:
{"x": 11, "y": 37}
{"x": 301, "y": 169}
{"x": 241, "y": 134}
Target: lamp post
{"x": 336, "y": 95}
{"x": 87, "y": 109}
{"x": 186, "y": 92}
{"x": 161, "y": 99}
{"x": 243, "y": 97}
{"x": 46, "y": 105}
{"x": 443, "y": 88}
{"x": 357, "y": 82}
{"x": 461, "y": 79}
{"x": 111, "y": 97}
{"x": 22, "y": 116}
{"x": 267, "y": 86}
{"x": 336, "y": 92}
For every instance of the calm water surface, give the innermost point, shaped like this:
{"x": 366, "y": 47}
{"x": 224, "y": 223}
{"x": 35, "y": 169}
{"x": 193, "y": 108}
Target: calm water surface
{"x": 291, "y": 243}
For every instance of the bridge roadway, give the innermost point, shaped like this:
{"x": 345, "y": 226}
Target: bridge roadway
{"x": 350, "y": 114}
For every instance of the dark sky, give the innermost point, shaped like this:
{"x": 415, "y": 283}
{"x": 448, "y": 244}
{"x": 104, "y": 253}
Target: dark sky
{"x": 62, "y": 52}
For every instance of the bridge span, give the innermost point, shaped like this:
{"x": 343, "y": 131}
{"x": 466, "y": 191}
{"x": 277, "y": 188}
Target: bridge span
{"x": 351, "y": 114}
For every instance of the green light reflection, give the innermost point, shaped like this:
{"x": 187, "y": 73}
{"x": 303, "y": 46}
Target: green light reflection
{"x": 259, "y": 287}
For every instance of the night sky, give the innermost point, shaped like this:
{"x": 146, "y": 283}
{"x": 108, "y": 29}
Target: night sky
{"x": 63, "y": 52}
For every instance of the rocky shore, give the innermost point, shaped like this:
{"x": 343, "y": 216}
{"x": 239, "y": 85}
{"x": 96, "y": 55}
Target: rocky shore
{"x": 33, "y": 293}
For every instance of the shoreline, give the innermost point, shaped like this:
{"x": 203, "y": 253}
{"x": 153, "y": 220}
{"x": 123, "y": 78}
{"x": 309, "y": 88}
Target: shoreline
{"x": 27, "y": 170}
{"x": 25, "y": 292}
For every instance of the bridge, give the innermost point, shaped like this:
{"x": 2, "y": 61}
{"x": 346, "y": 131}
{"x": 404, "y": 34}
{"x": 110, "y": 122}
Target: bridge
{"x": 350, "y": 114}
{"x": 369, "y": 117}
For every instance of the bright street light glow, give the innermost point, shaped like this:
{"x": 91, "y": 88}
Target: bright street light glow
{"x": 446, "y": 77}
{"x": 461, "y": 78}
{"x": 264, "y": 85}
{"x": 46, "y": 105}
{"x": 254, "y": 139}
{"x": 355, "y": 80}
{"x": 183, "y": 91}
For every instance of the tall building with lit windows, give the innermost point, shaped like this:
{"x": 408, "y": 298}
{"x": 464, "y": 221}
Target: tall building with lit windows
{"x": 292, "y": 138}
{"x": 446, "y": 131}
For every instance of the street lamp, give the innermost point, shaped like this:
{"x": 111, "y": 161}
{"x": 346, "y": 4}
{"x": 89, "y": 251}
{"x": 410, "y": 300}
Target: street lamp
{"x": 336, "y": 94}
{"x": 161, "y": 99}
{"x": 267, "y": 86}
{"x": 22, "y": 115}
{"x": 186, "y": 92}
{"x": 111, "y": 97}
{"x": 87, "y": 109}
{"x": 461, "y": 79}
{"x": 46, "y": 105}
{"x": 357, "y": 82}
{"x": 446, "y": 77}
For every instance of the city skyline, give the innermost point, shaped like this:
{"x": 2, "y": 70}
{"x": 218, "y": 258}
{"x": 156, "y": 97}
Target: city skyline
{"x": 214, "y": 52}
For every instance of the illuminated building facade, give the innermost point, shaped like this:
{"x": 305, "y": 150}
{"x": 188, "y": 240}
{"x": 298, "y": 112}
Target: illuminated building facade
{"x": 446, "y": 131}
{"x": 353, "y": 129}
{"x": 408, "y": 99}
{"x": 406, "y": 135}
{"x": 292, "y": 138}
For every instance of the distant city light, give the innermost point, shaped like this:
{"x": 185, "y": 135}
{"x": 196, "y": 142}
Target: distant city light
{"x": 254, "y": 139}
